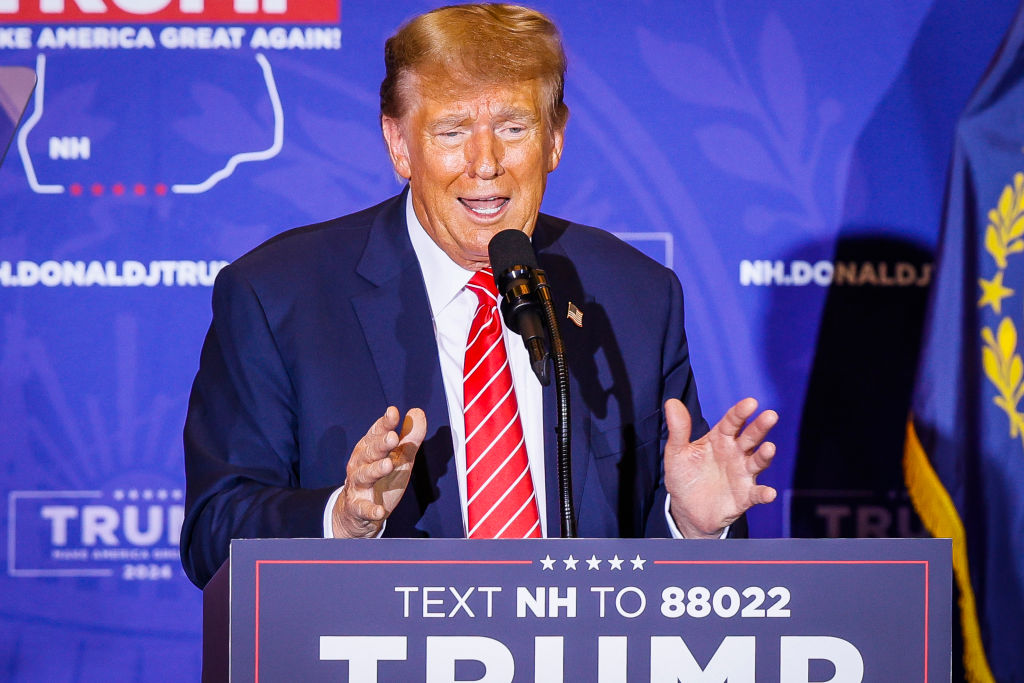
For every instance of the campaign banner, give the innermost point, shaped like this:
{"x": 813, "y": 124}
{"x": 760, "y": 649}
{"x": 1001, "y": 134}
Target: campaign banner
{"x": 134, "y": 11}
{"x": 131, "y": 534}
{"x": 590, "y": 610}
{"x": 786, "y": 158}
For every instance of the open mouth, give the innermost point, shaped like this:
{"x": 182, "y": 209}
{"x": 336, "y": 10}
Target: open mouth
{"x": 485, "y": 206}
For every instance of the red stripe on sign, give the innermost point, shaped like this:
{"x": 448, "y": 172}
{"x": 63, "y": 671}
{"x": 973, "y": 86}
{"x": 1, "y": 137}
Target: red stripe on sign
{"x": 176, "y": 11}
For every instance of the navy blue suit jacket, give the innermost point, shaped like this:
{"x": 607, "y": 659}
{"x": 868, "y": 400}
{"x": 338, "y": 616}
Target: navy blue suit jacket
{"x": 318, "y": 330}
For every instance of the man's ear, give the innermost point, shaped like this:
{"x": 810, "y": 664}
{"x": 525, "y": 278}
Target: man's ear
{"x": 557, "y": 142}
{"x": 398, "y": 150}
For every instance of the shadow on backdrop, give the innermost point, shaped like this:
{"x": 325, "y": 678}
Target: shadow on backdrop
{"x": 848, "y": 478}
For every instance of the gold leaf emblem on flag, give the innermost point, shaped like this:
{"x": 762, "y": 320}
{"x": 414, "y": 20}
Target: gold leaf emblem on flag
{"x": 999, "y": 358}
{"x": 575, "y": 315}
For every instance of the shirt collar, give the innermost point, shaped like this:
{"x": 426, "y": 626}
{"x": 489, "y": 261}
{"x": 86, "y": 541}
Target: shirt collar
{"x": 443, "y": 278}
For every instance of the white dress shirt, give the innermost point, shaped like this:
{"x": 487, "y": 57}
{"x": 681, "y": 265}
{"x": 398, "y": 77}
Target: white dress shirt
{"x": 452, "y": 307}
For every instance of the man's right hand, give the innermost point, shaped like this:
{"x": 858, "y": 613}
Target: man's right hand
{"x": 378, "y": 472}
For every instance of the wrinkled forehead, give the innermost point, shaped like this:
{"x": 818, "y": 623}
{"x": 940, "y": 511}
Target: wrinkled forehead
{"x": 464, "y": 94}
{"x": 448, "y": 94}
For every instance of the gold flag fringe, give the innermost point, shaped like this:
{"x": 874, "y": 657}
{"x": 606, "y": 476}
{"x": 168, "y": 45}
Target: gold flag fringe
{"x": 940, "y": 516}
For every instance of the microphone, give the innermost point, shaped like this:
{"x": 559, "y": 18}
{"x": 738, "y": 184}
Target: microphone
{"x": 514, "y": 265}
{"x": 528, "y": 309}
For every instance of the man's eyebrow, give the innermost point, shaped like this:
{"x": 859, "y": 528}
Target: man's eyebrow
{"x": 517, "y": 114}
{"x": 450, "y": 121}
{"x": 509, "y": 113}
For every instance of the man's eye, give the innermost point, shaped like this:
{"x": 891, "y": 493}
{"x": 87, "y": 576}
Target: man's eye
{"x": 516, "y": 130}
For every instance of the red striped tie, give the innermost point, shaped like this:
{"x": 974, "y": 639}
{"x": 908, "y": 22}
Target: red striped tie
{"x": 502, "y": 502}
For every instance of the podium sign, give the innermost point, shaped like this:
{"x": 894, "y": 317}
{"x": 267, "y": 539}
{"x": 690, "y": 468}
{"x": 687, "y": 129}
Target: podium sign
{"x": 590, "y": 610}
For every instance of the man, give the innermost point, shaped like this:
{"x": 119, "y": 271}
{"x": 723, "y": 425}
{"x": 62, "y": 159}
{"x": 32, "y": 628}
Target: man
{"x": 319, "y": 331}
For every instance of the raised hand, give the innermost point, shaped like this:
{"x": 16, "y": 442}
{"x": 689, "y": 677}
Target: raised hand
{"x": 713, "y": 480}
{"x": 377, "y": 473}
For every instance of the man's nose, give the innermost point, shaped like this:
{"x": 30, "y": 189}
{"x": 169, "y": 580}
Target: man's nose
{"x": 483, "y": 155}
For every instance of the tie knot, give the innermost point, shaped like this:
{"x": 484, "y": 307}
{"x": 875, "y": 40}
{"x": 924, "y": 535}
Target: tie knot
{"x": 482, "y": 284}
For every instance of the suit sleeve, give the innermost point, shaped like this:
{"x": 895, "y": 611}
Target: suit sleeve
{"x": 679, "y": 383}
{"x": 677, "y": 371}
{"x": 241, "y": 443}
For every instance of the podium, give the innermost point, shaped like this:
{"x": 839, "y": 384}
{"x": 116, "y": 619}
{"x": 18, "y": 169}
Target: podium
{"x": 580, "y": 610}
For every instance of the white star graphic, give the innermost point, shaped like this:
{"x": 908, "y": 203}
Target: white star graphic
{"x": 571, "y": 563}
{"x": 548, "y": 563}
{"x": 637, "y": 563}
{"x": 593, "y": 563}
{"x": 616, "y": 563}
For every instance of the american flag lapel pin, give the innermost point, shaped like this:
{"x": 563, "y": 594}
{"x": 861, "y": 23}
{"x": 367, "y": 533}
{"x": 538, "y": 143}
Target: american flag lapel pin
{"x": 575, "y": 315}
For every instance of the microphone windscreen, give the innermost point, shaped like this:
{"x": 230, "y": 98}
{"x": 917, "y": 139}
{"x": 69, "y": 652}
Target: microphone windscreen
{"x": 510, "y": 248}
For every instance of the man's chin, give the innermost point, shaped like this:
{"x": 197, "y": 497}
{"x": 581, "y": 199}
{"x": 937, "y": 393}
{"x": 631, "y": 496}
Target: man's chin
{"x": 474, "y": 239}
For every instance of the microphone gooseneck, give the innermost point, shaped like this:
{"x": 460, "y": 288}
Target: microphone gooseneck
{"x": 528, "y": 309}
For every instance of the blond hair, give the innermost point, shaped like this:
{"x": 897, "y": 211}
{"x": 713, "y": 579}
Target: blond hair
{"x": 483, "y": 44}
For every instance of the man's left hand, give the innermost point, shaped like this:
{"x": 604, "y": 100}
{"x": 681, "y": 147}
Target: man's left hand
{"x": 712, "y": 481}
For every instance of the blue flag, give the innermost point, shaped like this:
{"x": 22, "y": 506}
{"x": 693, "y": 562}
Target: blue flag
{"x": 964, "y": 455}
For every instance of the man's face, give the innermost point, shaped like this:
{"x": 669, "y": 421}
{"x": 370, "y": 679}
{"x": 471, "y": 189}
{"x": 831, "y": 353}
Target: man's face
{"x": 477, "y": 162}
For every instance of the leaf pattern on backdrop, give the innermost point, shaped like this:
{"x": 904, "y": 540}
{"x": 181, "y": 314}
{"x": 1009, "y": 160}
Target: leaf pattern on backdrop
{"x": 314, "y": 164}
{"x": 224, "y": 125}
{"x": 766, "y": 135}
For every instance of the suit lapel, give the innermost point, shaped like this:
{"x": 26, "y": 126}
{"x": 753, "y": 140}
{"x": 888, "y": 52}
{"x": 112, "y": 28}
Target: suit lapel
{"x": 565, "y": 287}
{"x": 395, "y": 318}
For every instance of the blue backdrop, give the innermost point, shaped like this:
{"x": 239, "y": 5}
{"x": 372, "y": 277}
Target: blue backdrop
{"x": 787, "y": 159}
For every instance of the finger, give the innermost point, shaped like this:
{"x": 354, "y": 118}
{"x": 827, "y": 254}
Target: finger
{"x": 355, "y": 518}
{"x": 385, "y": 423}
{"x": 761, "y": 458}
{"x": 677, "y": 417}
{"x": 373, "y": 448}
{"x": 381, "y": 437}
{"x": 367, "y": 511}
{"x": 366, "y": 475}
{"x": 755, "y": 432}
{"x": 732, "y": 422}
{"x": 414, "y": 427}
{"x": 760, "y": 495}
{"x": 414, "y": 430}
